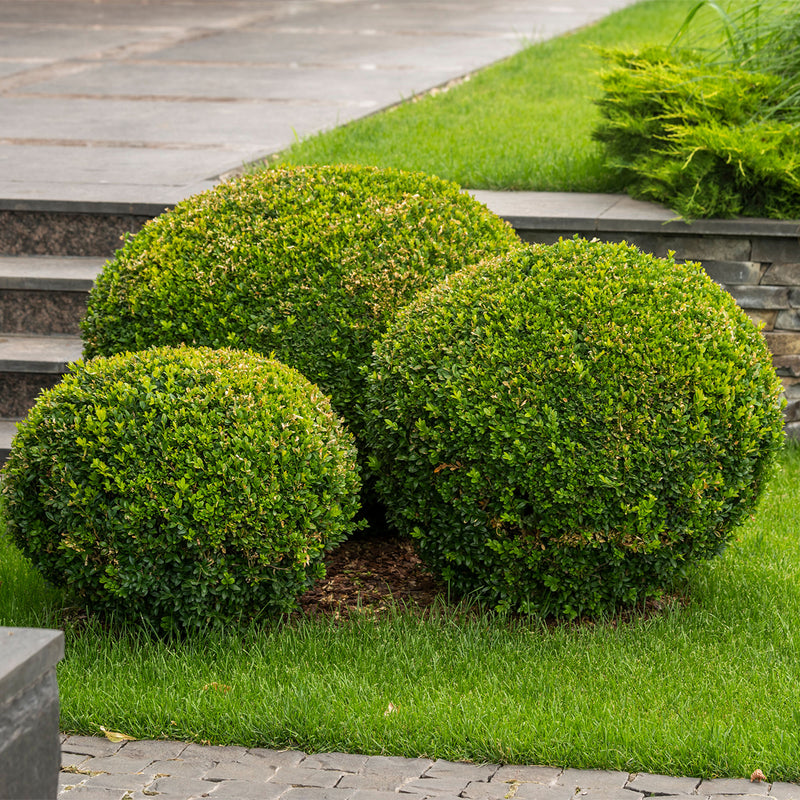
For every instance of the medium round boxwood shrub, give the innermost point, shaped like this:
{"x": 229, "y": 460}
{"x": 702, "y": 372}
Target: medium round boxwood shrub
{"x": 308, "y": 263}
{"x": 566, "y": 428}
{"x": 186, "y": 487}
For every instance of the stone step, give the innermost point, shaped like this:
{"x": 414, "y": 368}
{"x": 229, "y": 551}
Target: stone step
{"x": 29, "y": 364}
{"x": 8, "y": 429}
{"x": 45, "y": 294}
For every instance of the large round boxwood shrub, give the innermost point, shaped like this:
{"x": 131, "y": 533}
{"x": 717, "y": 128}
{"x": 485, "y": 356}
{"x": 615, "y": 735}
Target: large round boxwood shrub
{"x": 565, "y": 429}
{"x": 182, "y": 486}
{"x": 308, "y": 263}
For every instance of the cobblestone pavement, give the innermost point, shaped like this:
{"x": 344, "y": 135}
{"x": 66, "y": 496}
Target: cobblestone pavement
{"x": 97, "y": 769}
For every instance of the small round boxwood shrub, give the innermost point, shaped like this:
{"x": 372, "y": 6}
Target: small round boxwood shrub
{"x": 564, "y": 429}
{"x": 186, "y": 487}
{"x": 308, "y": 263}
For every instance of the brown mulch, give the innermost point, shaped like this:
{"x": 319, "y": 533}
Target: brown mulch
{"x": 372, "y": 573}
{"x": 369, "y": 573}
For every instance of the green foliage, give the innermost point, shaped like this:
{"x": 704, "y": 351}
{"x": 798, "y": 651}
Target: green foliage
{"x": 566, "y": 428}
{"x": 306, "y": 263}
{"x": 181, "y": 486}
{"x": 693, "y": 136}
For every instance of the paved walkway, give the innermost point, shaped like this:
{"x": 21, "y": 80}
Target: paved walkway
{"x": 148, "y": 102}
{"x": 96, "y": 769}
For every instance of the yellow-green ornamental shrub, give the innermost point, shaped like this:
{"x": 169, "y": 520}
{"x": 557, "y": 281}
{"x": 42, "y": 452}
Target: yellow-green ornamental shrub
{"x": 308, "y": 263}
{"x": 566, "y": 428}
{"x": 186, "y": 487}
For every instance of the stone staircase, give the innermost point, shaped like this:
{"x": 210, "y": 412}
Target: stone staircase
{"x": 48, "y": 263}
{"x": 42, "y": 300}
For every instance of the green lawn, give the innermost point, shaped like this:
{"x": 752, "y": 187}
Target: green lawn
{"x": 708, "y": 688}
{"x": 524, "y": 123}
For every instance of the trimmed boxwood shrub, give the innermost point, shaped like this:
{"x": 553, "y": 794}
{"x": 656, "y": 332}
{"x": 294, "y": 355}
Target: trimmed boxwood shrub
{"x": 308, "y": 263}
{"x": 566, "y": 428}
{"x": 186, "y": 487}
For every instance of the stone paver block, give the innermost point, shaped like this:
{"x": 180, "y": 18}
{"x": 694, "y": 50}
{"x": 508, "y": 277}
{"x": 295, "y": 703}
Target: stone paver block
{"x": 72, "y": 759}
{"x": 785, "y": 791}
{"x": 592, "y": 779}
{"x": 762, "y": 297}
{"x": 178, "y": 768}
{"x": 373, "y": 794}
{"x": 732, "y": 796}
{"x": 533, "y": 774}
{"x": 248, "y": 790}
{"x": 182, "y": 787}
{"x": 737, "y": 273}
{"x": 386, "y": 773}
{"x": 321, "y": 793}
{"x": 274, "y": 758}
{"x": 407, "y": 766}
{"x": 732, "y": 786}
{"x": 381, "y": 782}
{"x": 537, "y": 791}
{"x": 88, "y": 793}
{"x": 609, "y": 794}
{"x": 426, "y": 786}
{"x": 342, "y": 762}
{"x": 154, "y": 750}
{"x": 493, "y": 790}
{"x": 236, "y": 770}
{"x": 90, "y": 745}
{"x": 299, "y": 776}
{"x": 124, "y": 781}
{"x": 116, "y": 763}
{"x": 472, "y": 772}
{"x": 662, "y": 784}
{"x": 210, "y": 752}
{"x": 68, "y": 786}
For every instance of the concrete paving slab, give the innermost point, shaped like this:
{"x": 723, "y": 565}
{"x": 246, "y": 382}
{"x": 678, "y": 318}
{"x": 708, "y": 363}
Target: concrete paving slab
{"x": 69, "y": 14}
{"x": 111, "y": 176}
{"x": 552, "y": 208}
{"x": 20, "y": 41}
{"x": 150, "y": 124}
{"x": 366, "y": 51}
{"x": 365, "y": 89}
{"x": 13, "y": 67}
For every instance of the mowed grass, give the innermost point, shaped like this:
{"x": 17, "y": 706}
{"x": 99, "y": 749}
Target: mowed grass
{"x": 709, "y": 686}
{"x": 522, "y": 124}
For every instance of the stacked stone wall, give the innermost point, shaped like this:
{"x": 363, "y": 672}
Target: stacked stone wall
{"x": 762, "y": 273}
